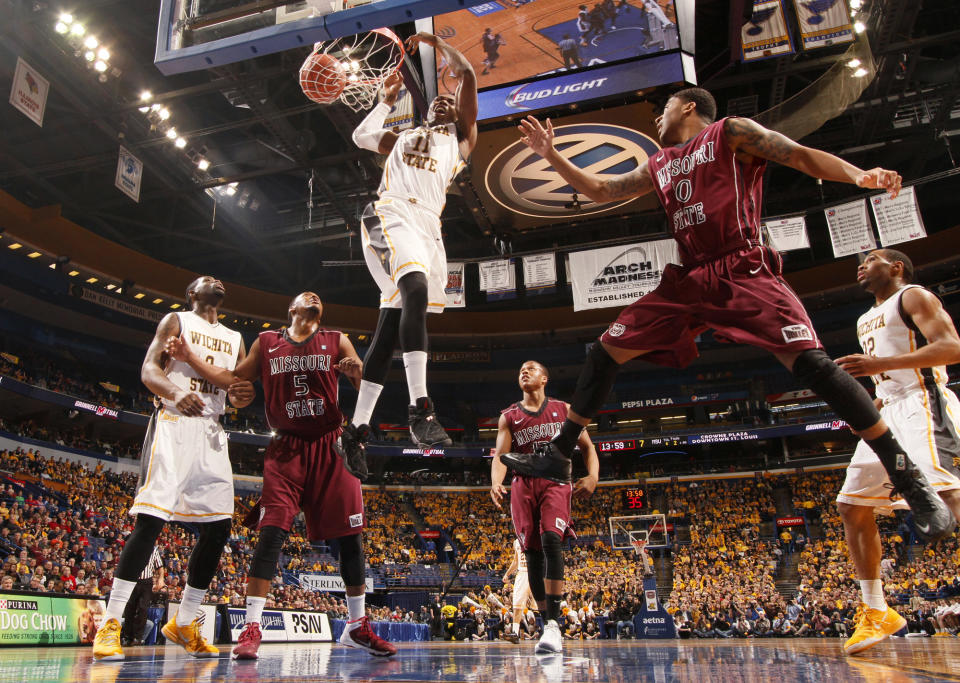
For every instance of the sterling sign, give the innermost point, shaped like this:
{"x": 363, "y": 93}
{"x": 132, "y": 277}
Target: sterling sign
{"x": 328, "y": 582}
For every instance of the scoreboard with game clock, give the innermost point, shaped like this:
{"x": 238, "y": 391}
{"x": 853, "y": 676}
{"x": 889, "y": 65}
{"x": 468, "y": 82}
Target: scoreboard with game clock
{"x": 616, "y": 446}
{"x": 632, "y": 500}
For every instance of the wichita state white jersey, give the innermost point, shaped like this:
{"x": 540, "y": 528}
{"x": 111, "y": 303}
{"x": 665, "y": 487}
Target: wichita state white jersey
{"x": 215, "y": 344}
{"x": 886, "y": 330}
{"x": 521, "y": 558}
{"x": 421, "y": 166}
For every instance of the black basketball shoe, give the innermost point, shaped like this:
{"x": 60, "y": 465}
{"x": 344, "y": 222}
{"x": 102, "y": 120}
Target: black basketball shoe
{"x": 351, "y": 447}
{"x": 546, "y": 462}
{"x": 932, "y": 518}
{"x": 425, "y": 429}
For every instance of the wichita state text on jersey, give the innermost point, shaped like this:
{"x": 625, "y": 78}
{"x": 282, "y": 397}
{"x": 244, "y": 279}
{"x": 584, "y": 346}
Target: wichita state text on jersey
{"x": 213, "y": 343}
{"x": 422, "y": 164}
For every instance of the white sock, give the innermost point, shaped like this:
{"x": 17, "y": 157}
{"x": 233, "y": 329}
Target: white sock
{"x": 515, "y": 627}
{"x": 366, "y": 402}
{"x": 872, "y": 591}
{"x": 415, "y": 364}
{"x": 356, "y": 607}
{"x": 119, "y": 596}
{"x": 190, "y": 605}
{"x": 255, "y": 608}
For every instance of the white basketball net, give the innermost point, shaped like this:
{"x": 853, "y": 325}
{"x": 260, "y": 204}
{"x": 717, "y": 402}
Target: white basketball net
{"x": 367, "y": 59}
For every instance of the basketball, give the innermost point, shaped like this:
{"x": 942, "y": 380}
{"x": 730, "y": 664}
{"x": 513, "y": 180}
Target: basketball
{"x": 322, "y": 78}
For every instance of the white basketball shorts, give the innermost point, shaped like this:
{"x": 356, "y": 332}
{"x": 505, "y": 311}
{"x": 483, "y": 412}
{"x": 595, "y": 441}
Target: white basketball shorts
{"x": 401, "y": 237}
{"x": 927, "y": 425}
{"x": 522, "y": 596}
{"x": 185, "y": 470}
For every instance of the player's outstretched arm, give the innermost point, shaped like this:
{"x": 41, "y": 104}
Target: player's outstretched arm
{"x": 155, "y": 379}
{"x": 584, "y": 487}
{"x": 247, "y": 369}
{"x": 241, "y": 393}
{"x": 934, "y": 323}
{"x": 748, "y": 137}
{"x": 599, "y": 188}
{"x": 498, "y": 471}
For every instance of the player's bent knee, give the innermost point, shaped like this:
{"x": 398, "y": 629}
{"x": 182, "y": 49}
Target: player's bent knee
{"x": 815, "y": 370}
{"x": 267, "y": 553}
{"x": 351, "y": 560}
{"x": 553, "y": 555}
{"x": 595, "y": 381}
{"x": 205, "y": 557}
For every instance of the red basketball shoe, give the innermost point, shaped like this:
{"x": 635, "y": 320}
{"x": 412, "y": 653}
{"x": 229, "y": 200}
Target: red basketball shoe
{"x": 364, "y": 638}
{"x": 248, "y": 643}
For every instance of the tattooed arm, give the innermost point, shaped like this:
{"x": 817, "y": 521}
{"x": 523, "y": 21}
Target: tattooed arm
{"x": 746, "y": 137}
{"x": 599, "y": 188}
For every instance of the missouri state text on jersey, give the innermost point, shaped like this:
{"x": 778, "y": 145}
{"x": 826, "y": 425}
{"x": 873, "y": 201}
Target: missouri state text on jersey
{"x": 712, "y": 199}
{"x": 528, "y": 428}
{"x": 300, "y": 382}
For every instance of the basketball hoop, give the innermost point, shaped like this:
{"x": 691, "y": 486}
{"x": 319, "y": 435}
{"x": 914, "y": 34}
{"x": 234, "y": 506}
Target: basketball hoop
{"x": 353, "y": 69}
{"x": 639, "y": 546}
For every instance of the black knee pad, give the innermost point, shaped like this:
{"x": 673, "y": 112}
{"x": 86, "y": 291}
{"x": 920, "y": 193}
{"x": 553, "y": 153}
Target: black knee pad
{"x": 267, "y": 553}
{"x": 139, "y": 546}
{"x": 595, "y": 381}
{"x": 205, "y": 557}
{"x": 553, "y": 554}
{"x": 815, "y": 371}
{"x": 413, "y": 321}
{"x": 352, "y": 570}
{"x": 535, "y": 564}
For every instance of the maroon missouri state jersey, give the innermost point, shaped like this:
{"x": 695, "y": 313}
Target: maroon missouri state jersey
{"x": 711, "y": 199}
{"x": 300, "y": 382}
{"x": 528, "y": 428}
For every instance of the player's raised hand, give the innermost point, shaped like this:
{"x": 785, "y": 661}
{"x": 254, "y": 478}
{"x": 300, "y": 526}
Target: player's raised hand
{"x": 391, "y": 87}
{"x": 413, "y": 42}
{"x": 350, "y": 366}
{"x": 241, "y": 393}
{"x": 498, "y": 492}
{"x": 188, "y": 403}
{"x": 177, "y": 349}
{"x": 535, "y": 136}
{"x": 881, "y": 179}
{"x": 861, "y": 365}
{"x": 585, "y": 487}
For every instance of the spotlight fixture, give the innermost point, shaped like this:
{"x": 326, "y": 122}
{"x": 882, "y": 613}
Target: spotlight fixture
{"x": 859, "y": 27}
{"x": 90, "y": 43}
{"x": 146, "y": 96}
{"x": 854, "y": 63}
{"x": 203, "y": 164}
{"x": 180, "y": 143}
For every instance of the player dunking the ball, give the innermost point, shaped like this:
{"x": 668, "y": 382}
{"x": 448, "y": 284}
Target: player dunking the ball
{"x": 709, "y": 179}
{"x": 403, "y": 247}
{"x": 908, "y": 340}
{"x": 186, "y": 475}
{"x": 540, "y": 507}
{"x": 299, "y": 369}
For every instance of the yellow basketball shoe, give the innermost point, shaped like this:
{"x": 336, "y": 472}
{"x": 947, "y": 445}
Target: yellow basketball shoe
{"x": 873, "y": 625}
{"x": 106, "y": 644}
{"x": 189, "y": 638}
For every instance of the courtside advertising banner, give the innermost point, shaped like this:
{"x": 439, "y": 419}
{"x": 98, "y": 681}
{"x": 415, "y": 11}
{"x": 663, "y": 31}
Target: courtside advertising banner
{"x": 37, "y": 619}
{"x": 766, "y": 34}
{"x": 329, "y": 583}
{"x": 823, "y": 23}
{"x": 272, "y": 628}
{"x": 849, "y": 227}
{"x": 788, "y": 234}
{"x": 539, "y": 271}
{"x": 898, "y": 220}
{"x": 617, "y": 276}
{"x": 29, "y": 92}
{"x": 284, "y": 625}
{"x": 454, "y": 288}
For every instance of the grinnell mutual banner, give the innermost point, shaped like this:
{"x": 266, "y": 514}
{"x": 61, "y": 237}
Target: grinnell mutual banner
{"x": 616, "y": 276}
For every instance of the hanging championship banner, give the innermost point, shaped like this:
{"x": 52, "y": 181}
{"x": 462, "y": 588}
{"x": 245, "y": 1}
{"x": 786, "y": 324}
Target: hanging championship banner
{"x": 788, "y": 234}
{"x": 129, "y": 174}
{"x": 616, "y": 276}
{"x": 539, "y": 271}
{"x": 29, "y": 92}
{"x": 898, "y": 220}
{"x": 454, "y": 288}
{"x": 849, "y": 227}
{"x": 766, "y": 34}
{"x": 823, "y": 23}
{"x": 498, "y": 279}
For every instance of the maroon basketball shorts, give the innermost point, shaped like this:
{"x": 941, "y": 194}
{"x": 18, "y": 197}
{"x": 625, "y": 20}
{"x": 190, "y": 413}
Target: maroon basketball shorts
{"x": 740, "y": 295}
{"x": 538, "y": 505}
{"x": 307, "y": 474}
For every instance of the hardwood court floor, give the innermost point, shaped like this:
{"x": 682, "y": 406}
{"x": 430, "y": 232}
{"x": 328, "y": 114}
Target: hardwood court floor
{"x": 767, "y": 661}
